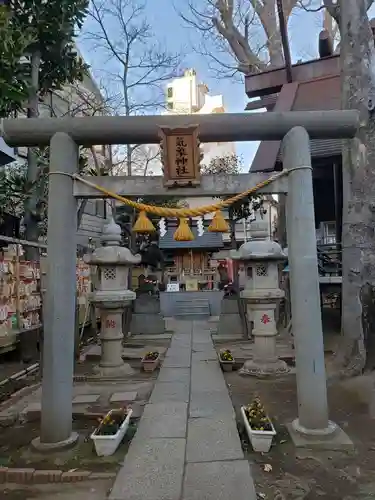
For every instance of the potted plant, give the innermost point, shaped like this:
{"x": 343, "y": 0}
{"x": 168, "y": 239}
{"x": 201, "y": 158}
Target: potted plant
{"x": 111, "y": 431}
{"x": 258, "y": 426}
{"x": 226, "y": 360}
{"x": 150, "y": 361}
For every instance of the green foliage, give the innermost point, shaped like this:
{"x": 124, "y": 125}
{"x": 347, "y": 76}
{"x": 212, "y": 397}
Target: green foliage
{"x": 13, "y": 191}
{"x": 44, "y": 26}
{"x": 53, "y": 24}
{"x": 14, "y": 41}
{"x": 231, "y": 165}
{"x": 226, "y": 165}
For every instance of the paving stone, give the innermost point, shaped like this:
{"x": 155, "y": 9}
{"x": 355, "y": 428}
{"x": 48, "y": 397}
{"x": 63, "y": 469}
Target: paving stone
{"x": 174, "y": 375}
{"x": 205, "y": 335}
{"x": 184, "y": 338}
{"x": 170, "y": 391}
{"x": 207, "y": 377}
{"x": 211, "y": 439}
{"x": 144, "y": 338}
{"x": 153, "y": 470}
{"x": 182, "y": 335}
{"x": 94, "y": 352}
{"x": 210, "y": 404}
{"x": 214, "y": 480}
{"x": 226, "y": 338}
{"x": 181, "y": 361}
{"x": 179, "y": 344}
{"x": 206, "y": 355}
{"x": 202, "y": 346}
{"x": 86, "y": 399}
{"x": 163, "y": 420}
{"x": 178, "y": 351}
{"x": 32, "y": 407}
{"x": 119, "y": 397}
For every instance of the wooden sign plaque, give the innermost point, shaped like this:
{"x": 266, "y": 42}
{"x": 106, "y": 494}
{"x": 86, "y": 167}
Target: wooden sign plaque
{"x": 180, "y": 156}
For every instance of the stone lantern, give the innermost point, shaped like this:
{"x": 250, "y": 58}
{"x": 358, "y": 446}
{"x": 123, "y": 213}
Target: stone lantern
{"x": 112, "y": 297}
{"x": 261, "y": 257}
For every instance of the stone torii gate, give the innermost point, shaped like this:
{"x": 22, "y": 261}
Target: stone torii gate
{"x": 64, "y": 135}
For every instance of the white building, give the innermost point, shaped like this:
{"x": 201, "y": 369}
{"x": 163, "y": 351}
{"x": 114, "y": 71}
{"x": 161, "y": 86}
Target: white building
{"x": 186, "y": 95}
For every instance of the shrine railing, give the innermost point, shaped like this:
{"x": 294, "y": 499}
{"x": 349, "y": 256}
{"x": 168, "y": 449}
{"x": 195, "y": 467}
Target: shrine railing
{"x": 330, "y": 260}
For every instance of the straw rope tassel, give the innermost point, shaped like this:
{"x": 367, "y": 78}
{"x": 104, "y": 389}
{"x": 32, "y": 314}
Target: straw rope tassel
{"x": 218, "y": 223}
{"x": 183, "y": 232}
{"x": 143, "y": 224}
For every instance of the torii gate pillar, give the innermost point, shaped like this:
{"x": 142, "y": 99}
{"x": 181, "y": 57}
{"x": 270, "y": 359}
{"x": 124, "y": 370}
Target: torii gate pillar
{"x": 59, "y": 318}
{"x": 312, "y": 427}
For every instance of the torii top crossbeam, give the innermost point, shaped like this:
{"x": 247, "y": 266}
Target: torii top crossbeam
{"x": 87, "y": 131}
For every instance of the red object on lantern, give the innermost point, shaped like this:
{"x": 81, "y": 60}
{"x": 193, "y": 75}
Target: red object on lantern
{"x": 265, "y": 319}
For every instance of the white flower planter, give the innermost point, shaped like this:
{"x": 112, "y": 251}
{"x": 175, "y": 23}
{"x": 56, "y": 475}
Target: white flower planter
{"x": 227, "y": 366}
{"x": 107, "y": 445}
{"x": 260, "y": 440}
{"x": 150, "y": 365}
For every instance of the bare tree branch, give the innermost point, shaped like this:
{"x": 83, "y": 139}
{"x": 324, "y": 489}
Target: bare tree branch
{"x": 238, "y": 35}
{"x": 137, "y": 65}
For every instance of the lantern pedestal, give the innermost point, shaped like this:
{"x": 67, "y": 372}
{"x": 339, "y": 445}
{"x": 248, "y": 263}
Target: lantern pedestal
{"x": 265, "y": 360}
{"x": 112, "y": 306}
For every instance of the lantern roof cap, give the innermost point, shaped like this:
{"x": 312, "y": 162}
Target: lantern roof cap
{"x": 260, "y": 246}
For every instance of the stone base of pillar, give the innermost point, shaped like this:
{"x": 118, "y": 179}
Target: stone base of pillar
{"x": 113, "y": 371}
{"x": 264, "y": 369}
{"x": 330, "y": 438}
{"x": 60, "y": 445}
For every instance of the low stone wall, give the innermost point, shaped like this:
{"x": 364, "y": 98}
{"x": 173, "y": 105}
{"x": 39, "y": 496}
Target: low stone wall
{"x": 146, "y": 317}
{"x": 168, "y": 300}
{"x": 229, "y": 320}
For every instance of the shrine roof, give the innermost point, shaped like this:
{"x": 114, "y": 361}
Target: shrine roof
{"x": 207, "y": 240}
{"x": 312, "y": 95}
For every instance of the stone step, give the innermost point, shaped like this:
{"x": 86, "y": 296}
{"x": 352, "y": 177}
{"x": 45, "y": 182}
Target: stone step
{"x": 192, "y": 309}
{"x": 189, "y": 301}
{"x": 188, "y": 312}
{"x": 195, "y": 307}
{"x": 191, "y": 316}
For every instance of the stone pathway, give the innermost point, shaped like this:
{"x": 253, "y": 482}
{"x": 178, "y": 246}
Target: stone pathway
{"x": 187, "y": 445}
{"x": 89, "y": 399}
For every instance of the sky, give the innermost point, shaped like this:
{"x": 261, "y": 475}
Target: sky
{"x": 170, "y": 29}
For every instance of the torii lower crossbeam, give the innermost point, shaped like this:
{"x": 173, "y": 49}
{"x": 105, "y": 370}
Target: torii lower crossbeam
{"x": 211, "y": 185}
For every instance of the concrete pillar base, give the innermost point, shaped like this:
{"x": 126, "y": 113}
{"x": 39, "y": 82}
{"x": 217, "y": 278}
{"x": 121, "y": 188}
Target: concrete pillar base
{"x": 60, "y": 445}
{"x": 113, "y": 371}
{"x": 330, "y": 438}
{"x": 264, "y": 369}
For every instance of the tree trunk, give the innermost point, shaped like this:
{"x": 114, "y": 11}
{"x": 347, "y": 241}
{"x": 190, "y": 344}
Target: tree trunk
{"x": 31, "y": 204}
{"x": 358, "y": 233}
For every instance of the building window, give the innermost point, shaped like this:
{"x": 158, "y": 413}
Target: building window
{"x": 328, "y": 233}
{"x": 170, "y": 105}
{"x": 170, "y": 92}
